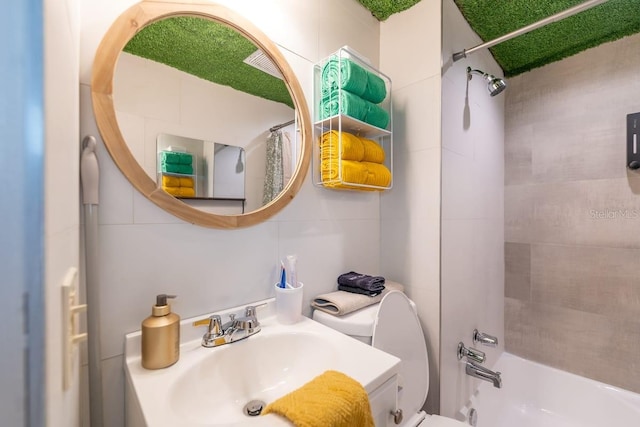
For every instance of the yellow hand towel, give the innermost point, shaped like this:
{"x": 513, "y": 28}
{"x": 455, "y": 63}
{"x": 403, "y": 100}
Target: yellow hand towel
{"x": 354, "y": 172}
{"x": 180, "y": 191}
{"x": 351, "y": 147}
{"x": 176, "y": 181}
{"x": 373, "y": 152}
{"x": 186, "y": 182}
{"x": 377, "y": 174}
{"x": 170, "y": 181}
{"x": 332, "y": 399}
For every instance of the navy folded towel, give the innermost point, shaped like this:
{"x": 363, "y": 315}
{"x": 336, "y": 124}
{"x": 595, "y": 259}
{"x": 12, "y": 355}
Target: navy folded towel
{"x": 371, "y": 284}
{"x": 360, "y": 291}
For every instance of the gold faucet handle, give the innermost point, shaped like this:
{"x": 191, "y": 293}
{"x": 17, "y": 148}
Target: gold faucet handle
{"x": 214, "y": 323}
{"x": 203, "y": 322}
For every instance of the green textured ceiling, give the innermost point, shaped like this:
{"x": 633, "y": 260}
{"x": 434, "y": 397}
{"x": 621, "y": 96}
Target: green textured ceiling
{"x": 382, "y": 9}
{"x": 207, "y": 50}
{"x": 493, "y": 18}
{"x": 603, "y": 23}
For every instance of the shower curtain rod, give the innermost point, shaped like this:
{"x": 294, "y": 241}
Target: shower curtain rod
{"x": 281, "y": 125}
{"x": 553, "y": 18}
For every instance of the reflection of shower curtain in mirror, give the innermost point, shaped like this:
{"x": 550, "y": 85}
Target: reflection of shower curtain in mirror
{"x": 274, "y": 178}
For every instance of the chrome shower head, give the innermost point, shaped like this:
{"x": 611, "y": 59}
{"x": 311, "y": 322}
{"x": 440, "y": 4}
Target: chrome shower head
{"x": 495, "y": 85}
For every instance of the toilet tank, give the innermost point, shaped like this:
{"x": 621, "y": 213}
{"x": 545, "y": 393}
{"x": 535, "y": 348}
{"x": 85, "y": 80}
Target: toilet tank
{"x": 358, "y": 324}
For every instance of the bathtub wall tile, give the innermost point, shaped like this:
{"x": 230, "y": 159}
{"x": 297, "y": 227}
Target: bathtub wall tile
{"x": 597, "y": 280}
{"x": 517, "y": 274}
{"x": 587, "y": 344}
{"x": 572, "y": 205}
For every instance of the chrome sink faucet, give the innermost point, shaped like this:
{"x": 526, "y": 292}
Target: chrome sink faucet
{"x": 235, "y": 329}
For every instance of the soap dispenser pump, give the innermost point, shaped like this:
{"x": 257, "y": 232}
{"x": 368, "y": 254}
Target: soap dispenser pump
{"x": 160, "y": 335}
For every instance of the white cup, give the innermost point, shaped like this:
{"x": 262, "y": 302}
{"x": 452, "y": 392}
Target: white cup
{"x": 288, "y": 304}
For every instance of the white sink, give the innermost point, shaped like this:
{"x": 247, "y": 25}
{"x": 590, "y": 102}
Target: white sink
{"x": 211, "y": 386}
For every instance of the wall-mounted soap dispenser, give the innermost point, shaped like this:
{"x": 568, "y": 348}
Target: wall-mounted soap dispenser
{"x": 160, "y": 335}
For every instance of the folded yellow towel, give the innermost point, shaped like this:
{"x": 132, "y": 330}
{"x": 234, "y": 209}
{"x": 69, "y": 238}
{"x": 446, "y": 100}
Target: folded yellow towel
{"x": 373, "y": 152}
{"x": 186, "y": 182}
{"x": 331, "y": 399}
{"x": 180, "y": 191}
{"x": 377, "y": 174}
{"x": 354, "y": 172}
{"x": 177, "y": 181}
{"x": 170, "y": 181}
{"x": 350, "y": 149}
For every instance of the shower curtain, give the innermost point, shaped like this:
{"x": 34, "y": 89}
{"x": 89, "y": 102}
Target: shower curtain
{"x": 274, "y": 178}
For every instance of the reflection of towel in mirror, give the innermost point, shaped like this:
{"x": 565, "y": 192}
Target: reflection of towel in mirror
{"x": 173, "y": 168}
{"x": 362, "y": 281}
{"x": 274, "y": 176}
{"x": 176, "y": 158}
{"x": 287, "y": 158}
{"x": 330, "y": 399}
{"x": 180, "y": 191}
{"x": 170, "y": 181}
{"x": 174, "y": 181}
{"x": 186, "y": 182}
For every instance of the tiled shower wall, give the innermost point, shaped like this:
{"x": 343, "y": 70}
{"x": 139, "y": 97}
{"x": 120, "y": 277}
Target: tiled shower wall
{"x": 472, "y": 236}
{"x": 572, "y": 215}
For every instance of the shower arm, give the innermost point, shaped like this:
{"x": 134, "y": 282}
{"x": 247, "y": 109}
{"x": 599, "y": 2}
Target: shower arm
{"x": 553, "y": 18}
{"x": 484, "y": 75}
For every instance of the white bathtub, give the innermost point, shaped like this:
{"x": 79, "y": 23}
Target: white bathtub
{"x": 534, "y": 395}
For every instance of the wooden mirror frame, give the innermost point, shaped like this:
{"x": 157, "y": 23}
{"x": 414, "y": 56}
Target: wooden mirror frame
{"x": 121, "y": 31}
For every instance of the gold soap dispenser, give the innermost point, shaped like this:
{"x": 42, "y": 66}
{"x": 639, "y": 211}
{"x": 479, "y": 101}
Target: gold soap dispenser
{"x": 160, "y": 335}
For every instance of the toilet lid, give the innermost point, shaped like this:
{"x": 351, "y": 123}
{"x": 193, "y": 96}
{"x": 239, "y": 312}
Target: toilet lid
{"x": 397, "y": 331}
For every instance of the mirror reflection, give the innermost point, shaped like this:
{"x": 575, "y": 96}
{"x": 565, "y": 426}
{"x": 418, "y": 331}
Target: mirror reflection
{"x": 190, "y": 168}
{"x": 185, "y": 82}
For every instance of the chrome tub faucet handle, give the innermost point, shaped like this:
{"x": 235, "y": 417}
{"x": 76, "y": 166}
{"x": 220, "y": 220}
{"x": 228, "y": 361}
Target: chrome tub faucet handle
{"x": 470, "y": 353}
{"x": 484, "y": 339}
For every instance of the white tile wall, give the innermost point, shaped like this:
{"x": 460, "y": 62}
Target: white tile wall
{"x": 145, "y": 251}
{"x": 472, "y": 283}
{"x": 410, "y": 225}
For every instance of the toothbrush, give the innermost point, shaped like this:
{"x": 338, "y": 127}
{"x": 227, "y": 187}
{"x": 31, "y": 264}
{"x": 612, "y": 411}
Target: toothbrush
{"x": 283, "y": 276}
{"x": 293, "y": 277}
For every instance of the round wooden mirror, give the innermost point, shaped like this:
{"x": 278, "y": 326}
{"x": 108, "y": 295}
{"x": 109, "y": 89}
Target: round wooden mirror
{"x": 105, "y": 71}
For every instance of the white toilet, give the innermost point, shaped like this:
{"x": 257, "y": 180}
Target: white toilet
{"x": 393, "y": 326}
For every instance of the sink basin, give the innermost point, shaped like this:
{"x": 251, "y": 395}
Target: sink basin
{"x": 211, "y": 386}
{"x": 263, "y": 368}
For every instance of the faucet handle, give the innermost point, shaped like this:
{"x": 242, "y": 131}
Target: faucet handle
{"x": 250, "y": 310}
{"x": 484, "y": 339}
{"x": 214, "y": 323}
{"x": 470, "y": 353}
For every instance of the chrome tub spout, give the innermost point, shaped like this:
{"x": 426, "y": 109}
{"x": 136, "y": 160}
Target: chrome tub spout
{"x": 483, "y": 373}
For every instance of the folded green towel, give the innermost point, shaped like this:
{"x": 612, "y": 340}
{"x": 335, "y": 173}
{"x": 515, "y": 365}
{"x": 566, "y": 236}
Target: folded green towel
{"x": 377, "y": 116}
{"x": 342, "y": 73}
{"x": 176, "y": 158}
{"x": 173, "y": 168}
{"x": 376, "y": 90}
{"x": 352, "y": 105}
{"x": 356, "y": 107}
